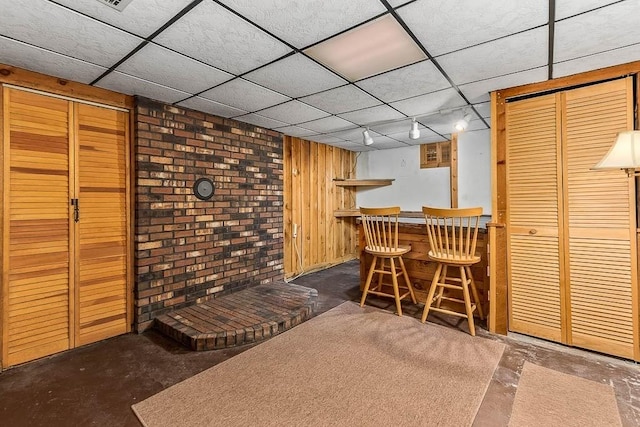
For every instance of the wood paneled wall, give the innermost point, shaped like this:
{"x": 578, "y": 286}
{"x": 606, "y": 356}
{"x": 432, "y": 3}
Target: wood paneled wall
{"x": 310, "y": 198}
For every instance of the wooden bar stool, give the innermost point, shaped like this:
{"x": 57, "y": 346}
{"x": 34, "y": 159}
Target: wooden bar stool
{"x": 381, "y": 234}
{"x": 453, "y": 235}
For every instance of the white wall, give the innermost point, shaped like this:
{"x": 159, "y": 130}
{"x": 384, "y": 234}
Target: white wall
{"x": 414, "y": 187}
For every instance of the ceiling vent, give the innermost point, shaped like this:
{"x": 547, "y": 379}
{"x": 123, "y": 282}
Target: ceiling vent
{"x": 116, "y": 4}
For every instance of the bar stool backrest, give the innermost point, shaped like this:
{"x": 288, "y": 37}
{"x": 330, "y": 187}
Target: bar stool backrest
{"x": 380, "y": 228}
{"x": 453, "y": 233}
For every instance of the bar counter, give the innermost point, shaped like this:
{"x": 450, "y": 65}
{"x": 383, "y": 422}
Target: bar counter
{"x": 413, "y": 232}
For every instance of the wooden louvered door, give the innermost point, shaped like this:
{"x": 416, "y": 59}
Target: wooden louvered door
{"x": 64, "y": 277}
{"x": 601, "y": 266}
{"x": 37, "y": 297}
{"x": 572, "y": 245}
{"x": 534, "y": 217}
{"x": 102, "y": 238}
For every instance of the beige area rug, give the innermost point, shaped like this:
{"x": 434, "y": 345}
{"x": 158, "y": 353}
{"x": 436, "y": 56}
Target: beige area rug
{"x": 550, "y": 398}
{"x": 348, "y": 366}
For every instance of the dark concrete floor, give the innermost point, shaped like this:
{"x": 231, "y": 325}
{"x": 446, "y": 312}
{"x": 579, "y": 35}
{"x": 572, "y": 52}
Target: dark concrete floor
{"x": 97, "y": 384}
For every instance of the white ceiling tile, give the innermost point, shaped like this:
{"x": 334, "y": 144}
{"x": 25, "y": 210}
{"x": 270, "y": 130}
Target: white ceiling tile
{"x": 445, "y": 26}
{"x": 597, "y": 31}
{"x": 566, "y": 8}
{"x": 67, "y": 32}
{"x": 341, "y": 99}
{"x": 326, "y": 139}
{"x": 429, "y": 103}
{"x": 218, "y": 37}
{"x": 293, "y": 112}
{"x": 130, "y": 85}
{"x": 211, "y": 107}
{"x": 372, "y": 114}
{"x": 444, "y": 123}
{"x": 598, "y": 60}
{"x": 479, "y": 91}
{"x": 296, "y": 131}
{"x": 163, "y": 66}
{"x": 303, "y": 22}
{"x": 508, "y": 55}
{"x": 406, "y": 82}
{"x": 484, "y": 109}
{"x": 396, "y": 3}
{"x": 244, "y": 94}
{"x": 258, "y": 120}
{"x": 357, "y": 147}
{"x": 476, "y": 125}
{"x": 295, "y": 76}
{"x": 141, "y": 17}
{"x": 394, "y": 127}
{"x": 353, "y": 134}
{"x": 40, "y": 60}
{"x": 328, "y": 124}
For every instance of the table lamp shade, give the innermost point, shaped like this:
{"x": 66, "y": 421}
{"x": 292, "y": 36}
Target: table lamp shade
{"x": 624, "y": 154}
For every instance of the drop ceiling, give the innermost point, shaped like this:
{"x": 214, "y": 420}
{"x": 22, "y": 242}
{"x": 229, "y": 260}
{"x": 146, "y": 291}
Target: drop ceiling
{"x": 254, "y": 61}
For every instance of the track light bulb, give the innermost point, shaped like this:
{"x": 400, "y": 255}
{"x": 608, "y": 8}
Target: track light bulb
{"x": 366, "y": 138}
{"x": 463, "y": 124}
{"x": 414, "y": 133}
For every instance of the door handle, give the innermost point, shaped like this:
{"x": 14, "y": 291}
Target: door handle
{"x": 533, "y": 231}
{"x": 76, "y": 209}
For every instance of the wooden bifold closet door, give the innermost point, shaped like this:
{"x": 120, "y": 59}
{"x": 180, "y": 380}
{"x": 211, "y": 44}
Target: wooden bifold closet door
{"x": 572, "y": 230}
{"x": 64, "y": 225}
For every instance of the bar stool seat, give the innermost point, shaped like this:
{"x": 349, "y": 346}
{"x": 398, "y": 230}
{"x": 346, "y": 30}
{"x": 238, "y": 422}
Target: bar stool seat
{"x": 380, "y": 227}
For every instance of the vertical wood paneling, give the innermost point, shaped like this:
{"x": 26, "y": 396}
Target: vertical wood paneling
{"x": 310, "y": 199}
{"x": 38, "y": 282}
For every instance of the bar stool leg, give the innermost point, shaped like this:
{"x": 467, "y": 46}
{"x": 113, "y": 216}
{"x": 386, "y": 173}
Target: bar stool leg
{"x": 467, "y": 301}
{"x": 396, "y": 291}
{"x": 432, "y": 291}
{"x": 474, "y": 290}
{"x": 367, "y": 284}
{"x": 407, "y": 281}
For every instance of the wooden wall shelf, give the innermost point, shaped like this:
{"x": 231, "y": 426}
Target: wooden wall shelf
{"x": 362, "y": 182}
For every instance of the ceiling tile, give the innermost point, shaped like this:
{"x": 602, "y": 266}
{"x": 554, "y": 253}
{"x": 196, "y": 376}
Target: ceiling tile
{"x": 130, "y": 85}
{"x": 258, "y": 120}
{"x": 479, "y": 91}
{"x": 484, "y": 109}
{"x": 500, "y": 57}
{"x": 141, "y": 17}
{"x": 454, "y": 25}
{"x": 413, "y": 80}
{"x": 403, "y": 125}
{"x": 44, "y": 61}
{"x": 163, "y": 66}
{"x": 296, "y": 131}
{"x": 444, "y": 123}
{"x": 372, "y": 114}
{"x": 218, "y": 37}
{"x": 211, "y": 107}
{"x": 359, "y": 147}
{"x": 353, "y": 134}
{"x": 293, "y": 112}
{"x": 598, "y": 60}
{"x": 303, "y": 22}
{"x": 67, "y": 32}
{"x": 597, "y": 31}
{"x": 244, "y": 94}
{"x": 326, "y": 139}
{"x": 341, "y": 99}
{"x": 328, "y": 124}
{"x": 429, "y": 103}
{"x": 396, "y": 3}
{"x": 566, "y": 8}
{"x": 295, "y": 76}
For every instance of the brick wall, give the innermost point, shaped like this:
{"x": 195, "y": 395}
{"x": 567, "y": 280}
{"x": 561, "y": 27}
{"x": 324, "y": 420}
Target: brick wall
{"x": 188, "y": 250}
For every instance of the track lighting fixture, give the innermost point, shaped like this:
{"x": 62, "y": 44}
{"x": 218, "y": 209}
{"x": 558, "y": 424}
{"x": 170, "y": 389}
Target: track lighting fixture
{"x": 366, "y": 138}
{"x": 463, "y": 124}
{"x": 414, "y": 133}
